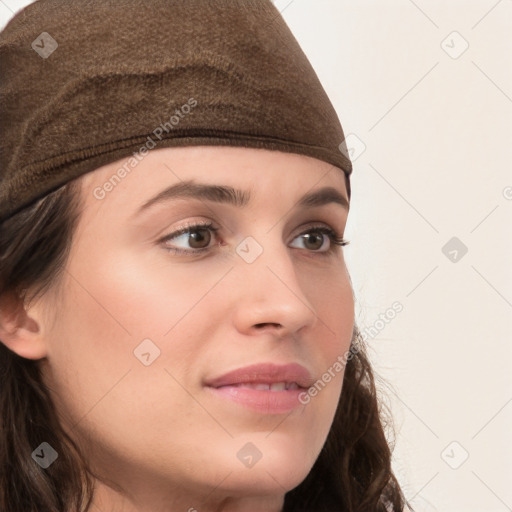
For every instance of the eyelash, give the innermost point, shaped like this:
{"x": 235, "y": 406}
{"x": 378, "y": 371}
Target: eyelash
{"x": 335, "y": 239}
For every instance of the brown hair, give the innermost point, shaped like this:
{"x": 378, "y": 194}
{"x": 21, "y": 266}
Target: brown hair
{"x": 34, "y": 245}
{"x": 352, "y": 473}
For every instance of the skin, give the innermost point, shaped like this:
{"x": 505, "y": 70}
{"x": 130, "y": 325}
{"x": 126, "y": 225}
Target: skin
{"x": 156, "y": 438}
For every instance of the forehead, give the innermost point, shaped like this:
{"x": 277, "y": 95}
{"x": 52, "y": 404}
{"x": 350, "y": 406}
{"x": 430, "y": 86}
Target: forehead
{"x": 127, "y": 183}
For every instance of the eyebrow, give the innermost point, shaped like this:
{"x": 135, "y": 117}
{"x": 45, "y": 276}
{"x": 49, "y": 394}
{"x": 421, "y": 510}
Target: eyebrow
{"x": 236, "y": 197}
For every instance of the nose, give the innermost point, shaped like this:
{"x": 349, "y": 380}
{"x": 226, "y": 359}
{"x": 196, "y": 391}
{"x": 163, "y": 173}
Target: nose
{"x": 270, "y": 296}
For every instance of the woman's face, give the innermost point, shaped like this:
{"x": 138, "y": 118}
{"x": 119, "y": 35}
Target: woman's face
{"x": 140, "y": 335}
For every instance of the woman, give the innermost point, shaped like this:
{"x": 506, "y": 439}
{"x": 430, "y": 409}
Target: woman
{"x": 176, "y": 317}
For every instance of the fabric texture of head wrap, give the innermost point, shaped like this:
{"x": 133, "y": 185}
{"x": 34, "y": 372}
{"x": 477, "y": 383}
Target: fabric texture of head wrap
{"x": 85, "y": 83}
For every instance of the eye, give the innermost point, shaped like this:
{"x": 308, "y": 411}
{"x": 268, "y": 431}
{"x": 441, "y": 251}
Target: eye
{"x": 317, "y": 237}
{"x": 197, "y": 238}
{"x": 197, "y": 235}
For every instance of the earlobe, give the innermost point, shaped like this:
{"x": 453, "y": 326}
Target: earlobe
{"x": 19, "y": 331}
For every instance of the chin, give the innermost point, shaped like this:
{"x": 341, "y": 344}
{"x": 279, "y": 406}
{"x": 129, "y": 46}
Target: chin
{"x": 270, "y": 467}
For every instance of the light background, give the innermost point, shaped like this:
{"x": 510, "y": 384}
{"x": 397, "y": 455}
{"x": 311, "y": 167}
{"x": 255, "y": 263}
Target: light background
{"x": 431, "y": 143}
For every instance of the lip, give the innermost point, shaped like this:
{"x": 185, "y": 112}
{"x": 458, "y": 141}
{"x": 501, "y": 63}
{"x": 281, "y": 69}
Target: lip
{"x": 227, "y": 386}
{"x": 265, "y": 373}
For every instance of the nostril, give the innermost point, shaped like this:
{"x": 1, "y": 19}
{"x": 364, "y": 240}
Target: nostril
{"x": 268, "y": 323}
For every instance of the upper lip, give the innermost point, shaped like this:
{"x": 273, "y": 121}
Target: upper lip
{"x": 264, "y": 373}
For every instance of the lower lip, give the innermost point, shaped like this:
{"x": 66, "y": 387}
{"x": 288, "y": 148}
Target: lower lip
{"x": 262, "y": 401}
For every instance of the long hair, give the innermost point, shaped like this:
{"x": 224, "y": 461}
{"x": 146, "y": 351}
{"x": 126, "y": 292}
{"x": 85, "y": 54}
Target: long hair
{"x": 352, "y": 473}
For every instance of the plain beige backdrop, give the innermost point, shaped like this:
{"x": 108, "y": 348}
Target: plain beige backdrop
{"x": 423, "y": 90}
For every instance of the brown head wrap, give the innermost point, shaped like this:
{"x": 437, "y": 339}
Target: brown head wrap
{"x": 87, "y": 82}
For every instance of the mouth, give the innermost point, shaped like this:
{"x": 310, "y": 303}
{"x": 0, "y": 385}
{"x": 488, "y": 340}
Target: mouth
{"x": 265, "y": 388}
{"x": 274, "y": 386}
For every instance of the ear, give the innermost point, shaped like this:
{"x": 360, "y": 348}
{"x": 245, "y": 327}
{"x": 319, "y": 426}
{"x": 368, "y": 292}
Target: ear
{"x": 20, "y": 330}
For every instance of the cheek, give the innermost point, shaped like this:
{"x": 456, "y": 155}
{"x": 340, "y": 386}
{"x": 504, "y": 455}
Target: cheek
{"x": 331, "y": 296}
{"x": 333, "y": 299}
{"x": 115, "y": 301}
{"x": 143, "y": 295}
{"x": 100, "y": 383}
